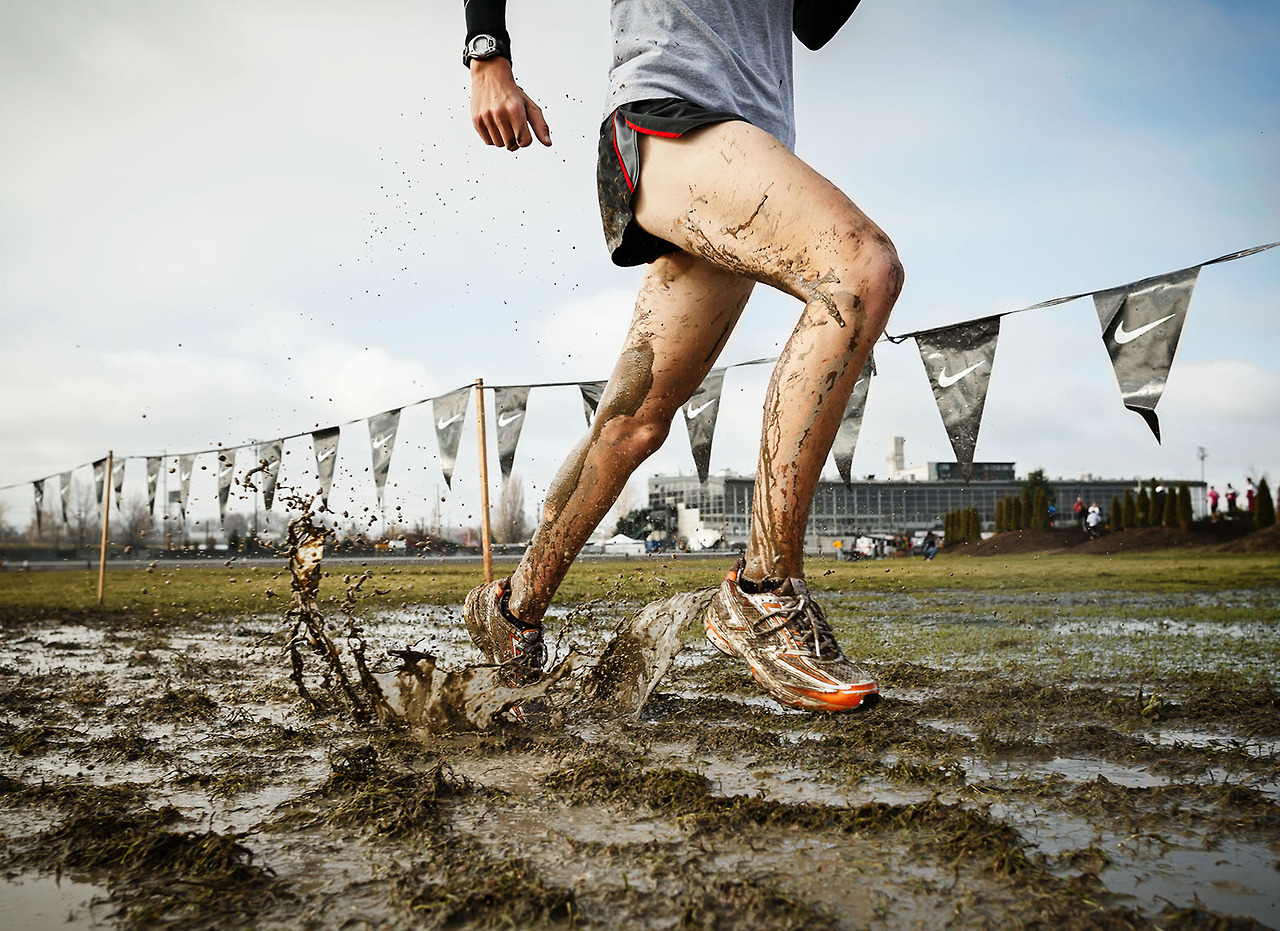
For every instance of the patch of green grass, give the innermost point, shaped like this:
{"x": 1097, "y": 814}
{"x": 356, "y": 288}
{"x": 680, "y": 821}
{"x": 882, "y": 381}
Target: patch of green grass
{"x": 191, "y": 592}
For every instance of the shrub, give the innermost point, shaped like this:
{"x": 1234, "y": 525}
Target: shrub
{"x": 1264, "y": 509}
{"x": 1130, "y": 512}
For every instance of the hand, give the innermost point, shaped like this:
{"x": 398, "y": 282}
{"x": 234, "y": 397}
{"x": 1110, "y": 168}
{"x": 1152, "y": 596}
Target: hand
{"x": 500, "y": 111}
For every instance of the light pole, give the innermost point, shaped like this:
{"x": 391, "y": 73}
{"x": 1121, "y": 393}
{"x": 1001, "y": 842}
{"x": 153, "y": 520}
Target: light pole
{"x": 1202, "y": 454}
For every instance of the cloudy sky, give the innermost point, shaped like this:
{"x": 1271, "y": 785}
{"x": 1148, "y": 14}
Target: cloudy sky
{"x": 236, "y": 220}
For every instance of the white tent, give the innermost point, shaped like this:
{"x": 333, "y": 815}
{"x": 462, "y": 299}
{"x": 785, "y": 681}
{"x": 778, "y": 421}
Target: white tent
{"x": 622, "y": 545}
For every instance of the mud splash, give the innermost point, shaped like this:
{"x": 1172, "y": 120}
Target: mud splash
{"x": 424, "y": 694}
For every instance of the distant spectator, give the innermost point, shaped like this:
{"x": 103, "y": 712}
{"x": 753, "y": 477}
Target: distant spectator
{"x": 1231, "y": 496}
{"x": 1250, "y": 495}
{"x": 1213, "y": 503}
{"x": 1078, "y": 510}
{"x": 930, "y": 547}
{"x": 1093, "y": 520}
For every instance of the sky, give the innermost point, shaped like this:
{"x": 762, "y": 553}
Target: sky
{"x": 224, "y": 222}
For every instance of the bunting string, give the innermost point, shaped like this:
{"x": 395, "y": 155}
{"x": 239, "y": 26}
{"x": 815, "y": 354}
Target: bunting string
{"x": 1141, "y": 324}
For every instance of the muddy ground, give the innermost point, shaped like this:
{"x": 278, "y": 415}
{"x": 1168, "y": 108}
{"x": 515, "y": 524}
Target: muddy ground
{"x": 1094, "y": 759}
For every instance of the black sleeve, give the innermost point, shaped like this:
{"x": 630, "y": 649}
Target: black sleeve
{"x": 816, "y": 21}
{"x": 488, "y": 17}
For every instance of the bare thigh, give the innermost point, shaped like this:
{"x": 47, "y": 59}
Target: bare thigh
{"x": 732, "y": 194}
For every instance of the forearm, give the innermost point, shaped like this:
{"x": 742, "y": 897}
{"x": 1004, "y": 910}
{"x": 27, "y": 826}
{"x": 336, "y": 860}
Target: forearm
{"x": 816, "y": 21}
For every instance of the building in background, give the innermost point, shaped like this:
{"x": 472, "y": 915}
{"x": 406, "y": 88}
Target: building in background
{"x": 717, "y": 513}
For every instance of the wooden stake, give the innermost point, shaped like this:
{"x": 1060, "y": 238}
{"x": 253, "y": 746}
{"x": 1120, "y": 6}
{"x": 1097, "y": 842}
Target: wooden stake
{"x": 106, "y": 522}
{"x": 485, "y": 547}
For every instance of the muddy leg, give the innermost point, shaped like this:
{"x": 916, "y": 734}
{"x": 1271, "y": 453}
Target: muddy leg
{"x": 735, "y": 196}
{"x": 684, "y": 313}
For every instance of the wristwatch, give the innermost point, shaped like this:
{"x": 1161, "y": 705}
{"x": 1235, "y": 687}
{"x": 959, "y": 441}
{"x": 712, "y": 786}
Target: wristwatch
{"x": 483, "y": 47}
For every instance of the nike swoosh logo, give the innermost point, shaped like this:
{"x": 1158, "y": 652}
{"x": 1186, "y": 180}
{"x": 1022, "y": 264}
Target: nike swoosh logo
{"x": 325, "y": 454}
{"x": 509, "y": 418}
{"x": 441, "y": 424}
{"x": 946, "y": 381}
{"x": 1127, "y": 336}
{"x": 693, "y": 412}
{"x": 380, "y": 441}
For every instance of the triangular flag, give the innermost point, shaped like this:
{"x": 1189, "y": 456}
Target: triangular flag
{"x": 186, "y": 464}
{"x": 117, "y": 482}
{"x": 39, "y": 487}
{"x": 153, "y": 477}
{"x": 511, "y": 404}
{"x": 382, "y": 440}
{"x": 448, "y": 412}
{"x": 66, "y": 495}
{"x": 592, "y": 391}
{"x": 269, "y": 454}
{"x": 1141, "y": 325}
{"x": 326, "y": 446}
{"x": 99, "y": 478}
{"x": 958, "y": 360}
{"x": 700, "y": 418}
{"x": 851, "y": 421}
{"x": 226, "y": 473}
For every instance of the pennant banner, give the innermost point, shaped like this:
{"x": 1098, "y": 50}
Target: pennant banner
{"x": 851, "y": 421}
{"x": 958, "y": 360}
{"x": 39, "y": 487}
{"x": 185, "y": 466}
{"x": 99, "y": 478}
{"x": 269, "y": 461}
{"x": 592, "y": 391}
{"x": 326, "y": 446}
{"x": 700, "y": 418}
{"x": 153, "y": 477}
{"x": 117, "y": 482}
{"x": 66, "y": 495}
{"x": 1141, "y": 326}
{"x": 511, "y": 404}
{"x": 448, "y": 412}
{"x": 226, "y": 472}
{"x": 382, "y": 439}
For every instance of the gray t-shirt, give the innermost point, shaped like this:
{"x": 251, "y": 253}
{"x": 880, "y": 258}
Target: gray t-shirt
{"x": 732, "y": 55}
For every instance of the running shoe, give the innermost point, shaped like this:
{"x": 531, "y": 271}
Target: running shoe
{"x": 788, "y": 643}
{"x": 503, "y": 639}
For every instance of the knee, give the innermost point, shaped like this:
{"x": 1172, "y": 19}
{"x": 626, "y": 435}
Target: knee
{"x": 881, "y": 269}
{"x": 635, "y": 437}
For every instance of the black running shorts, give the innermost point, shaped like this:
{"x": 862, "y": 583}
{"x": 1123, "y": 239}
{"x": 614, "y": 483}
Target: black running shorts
{"x": 618, "y": 169}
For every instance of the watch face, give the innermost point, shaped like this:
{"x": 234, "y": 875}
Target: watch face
{"x": 482, "y": 47}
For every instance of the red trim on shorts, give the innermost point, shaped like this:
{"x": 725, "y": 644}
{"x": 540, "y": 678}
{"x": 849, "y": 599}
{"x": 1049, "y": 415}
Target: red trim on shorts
{"x": 621, "y": 162}
{"x": 651, "y": 132}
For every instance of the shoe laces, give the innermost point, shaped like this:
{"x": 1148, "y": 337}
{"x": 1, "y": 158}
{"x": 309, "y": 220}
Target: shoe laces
{"x": 800, "y": 615}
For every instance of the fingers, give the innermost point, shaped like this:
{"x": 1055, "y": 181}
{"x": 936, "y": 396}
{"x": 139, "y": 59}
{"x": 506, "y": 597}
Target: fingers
{"x": 501, "y": 113}
{"x": 539, "y": 124}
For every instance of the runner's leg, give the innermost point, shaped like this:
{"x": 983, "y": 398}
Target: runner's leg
{"x": 684, "y": 314}
{"x": 733, "y": 195}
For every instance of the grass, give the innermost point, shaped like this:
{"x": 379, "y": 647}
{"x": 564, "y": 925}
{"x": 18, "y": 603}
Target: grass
{"x": 181, "y": 592}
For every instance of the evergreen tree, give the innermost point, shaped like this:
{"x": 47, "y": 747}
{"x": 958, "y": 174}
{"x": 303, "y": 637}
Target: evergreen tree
{"x": 1185, "y": 515}
{"x": 975, "y": 526}
{"x": 1143, "y": 508}
{"x": 1000, "y": 516}
{"x": 1040, "y": 512}
{"x": 1028, "y": 507}
{"x": 1130, "y": 510}
{"x": 1264, "y": 509}
{"x": 1116, "y": 519}
{"x": 1017, "y": 513}
{"x": 1170, "y": 516}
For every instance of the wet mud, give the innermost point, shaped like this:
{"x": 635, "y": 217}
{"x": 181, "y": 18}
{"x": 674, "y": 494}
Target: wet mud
{"x": 1089, "y": 760}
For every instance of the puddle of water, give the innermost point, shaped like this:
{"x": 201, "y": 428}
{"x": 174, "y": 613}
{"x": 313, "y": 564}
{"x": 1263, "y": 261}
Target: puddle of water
{"x": 39, "y": 903}
{"x": 1234, "y": 879}
{"x": 1074, "y": 769}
